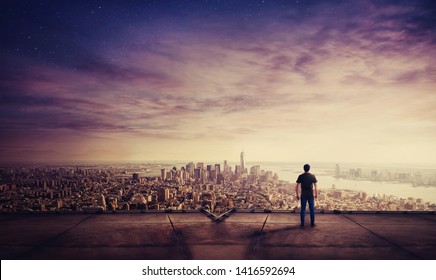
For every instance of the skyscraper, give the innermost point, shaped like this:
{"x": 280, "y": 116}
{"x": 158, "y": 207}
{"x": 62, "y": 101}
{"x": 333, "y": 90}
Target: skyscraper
{"x": 242, "y": 162}
{"x": 163, "y": 174}
{"x": 337, "y": 171}
{"x": 200, "y": 165}
{"x": 255, "y": 170}
{"x": 190, "y": 169}
{"x": 218, "y": 168}
{"x": 238, "y": 171}
{"x": 197, "y": 174}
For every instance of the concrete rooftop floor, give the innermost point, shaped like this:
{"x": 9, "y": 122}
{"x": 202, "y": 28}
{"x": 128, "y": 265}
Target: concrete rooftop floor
{"x": 195, "y": 236}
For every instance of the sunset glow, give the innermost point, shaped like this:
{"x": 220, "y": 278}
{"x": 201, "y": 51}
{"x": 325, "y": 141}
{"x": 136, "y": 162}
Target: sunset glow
{"x": 197, "y": 80}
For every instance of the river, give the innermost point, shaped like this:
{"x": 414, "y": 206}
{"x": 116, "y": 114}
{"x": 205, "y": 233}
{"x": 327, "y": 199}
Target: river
{"x": 290, "y": 172}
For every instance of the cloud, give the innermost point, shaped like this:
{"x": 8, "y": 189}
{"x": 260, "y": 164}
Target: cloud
{"x": 336, "y": 70}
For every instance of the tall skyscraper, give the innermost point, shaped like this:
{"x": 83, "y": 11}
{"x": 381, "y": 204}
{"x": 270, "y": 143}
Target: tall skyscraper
{"x": 220, "y": 179}
{"x": 255, "y": 170}
{"x": 242, "y": 162}
{"x": 200, "y": 165}
{"x": 190, "y": 169}
{"x": 218, "y": 168}
{"x": 337, "y": 171}
{"x": 238, "y": 171}
{"x": 163, "y": 174}
{"x": 197, "y": 173}
{"x": 213, "y": 174}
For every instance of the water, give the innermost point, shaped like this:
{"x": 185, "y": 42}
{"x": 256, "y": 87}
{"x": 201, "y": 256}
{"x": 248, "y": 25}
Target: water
{"x": 290, "y": 172}
{"x": 324, "y": 173}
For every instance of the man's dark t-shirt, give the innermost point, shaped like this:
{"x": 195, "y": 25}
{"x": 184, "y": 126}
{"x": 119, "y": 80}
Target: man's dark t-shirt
{"x": 307, "y": 180}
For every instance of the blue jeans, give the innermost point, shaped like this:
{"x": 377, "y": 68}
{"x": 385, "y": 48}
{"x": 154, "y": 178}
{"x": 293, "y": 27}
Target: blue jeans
{"x": 311, "y": 201}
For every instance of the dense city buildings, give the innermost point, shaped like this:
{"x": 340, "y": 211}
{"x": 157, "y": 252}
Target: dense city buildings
{"x": 188, "y": 187}
{"x": 415, "y": 178}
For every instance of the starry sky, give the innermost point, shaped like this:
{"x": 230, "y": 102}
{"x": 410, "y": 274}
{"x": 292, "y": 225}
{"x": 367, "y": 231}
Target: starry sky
{"x": 332, "y": 81}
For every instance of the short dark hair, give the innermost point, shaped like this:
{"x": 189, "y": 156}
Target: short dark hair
{"x": 306, "y": 167}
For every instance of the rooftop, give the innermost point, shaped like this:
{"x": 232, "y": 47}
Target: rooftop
{"x": 239, "y": 235}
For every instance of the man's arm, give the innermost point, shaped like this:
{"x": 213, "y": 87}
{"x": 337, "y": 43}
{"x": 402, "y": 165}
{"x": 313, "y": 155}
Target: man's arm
{"x": 297, "y": 189}
{"x": 316, "y": 190}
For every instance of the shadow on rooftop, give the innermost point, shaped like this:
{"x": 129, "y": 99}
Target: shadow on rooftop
{"x": 240, "y": 235}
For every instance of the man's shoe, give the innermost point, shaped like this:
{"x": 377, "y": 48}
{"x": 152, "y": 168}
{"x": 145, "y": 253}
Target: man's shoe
{"x": 301, "y": 225}
{"x": 312, "y": 225}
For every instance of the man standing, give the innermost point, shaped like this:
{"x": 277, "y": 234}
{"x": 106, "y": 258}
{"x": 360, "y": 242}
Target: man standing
{"x": 307, "y": 181}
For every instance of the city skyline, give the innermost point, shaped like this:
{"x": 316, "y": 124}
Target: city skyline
{"x": 318, "y": 81}
{"x": 200, "y": 186}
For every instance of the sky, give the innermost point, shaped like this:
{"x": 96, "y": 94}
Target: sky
{"x": 325, "y": 81}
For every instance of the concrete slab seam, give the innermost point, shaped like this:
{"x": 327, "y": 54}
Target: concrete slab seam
{"x": 383, "y": 238}
{"x": 258, "y": 237}
{"x": 21, "y": 255}
{"x": 179, "y": 243}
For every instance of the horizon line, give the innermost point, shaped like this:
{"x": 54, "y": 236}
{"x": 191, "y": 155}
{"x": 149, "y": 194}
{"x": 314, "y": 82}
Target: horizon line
{"x": 181, "y": 161}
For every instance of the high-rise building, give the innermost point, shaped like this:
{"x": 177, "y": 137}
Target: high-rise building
{"x": 163, "y": 194}
{"x": 255, "y": 170}
{"x": 242, "y": 162}
{"x": 269, "y": 176}
{"x": 218, "y": 168}
{"x": 238, "y": 170}
{"x": 197, "y": 173}
{"x": 163, "y": 174}
{"x": 169, "y": 175}
{"x": 337, "y": 171}
{"x": 190, "y": 169}
{"x": 220, "y": 179}
{"x": 213, "y": 174}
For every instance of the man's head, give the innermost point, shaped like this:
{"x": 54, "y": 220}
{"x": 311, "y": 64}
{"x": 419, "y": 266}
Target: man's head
{"x": 306, "y": 167}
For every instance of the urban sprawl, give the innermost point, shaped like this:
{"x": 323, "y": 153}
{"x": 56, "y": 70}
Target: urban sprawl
{"x": 214, "y": 187}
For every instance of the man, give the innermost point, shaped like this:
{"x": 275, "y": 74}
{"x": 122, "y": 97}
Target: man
{"x": 307, "y": 181}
